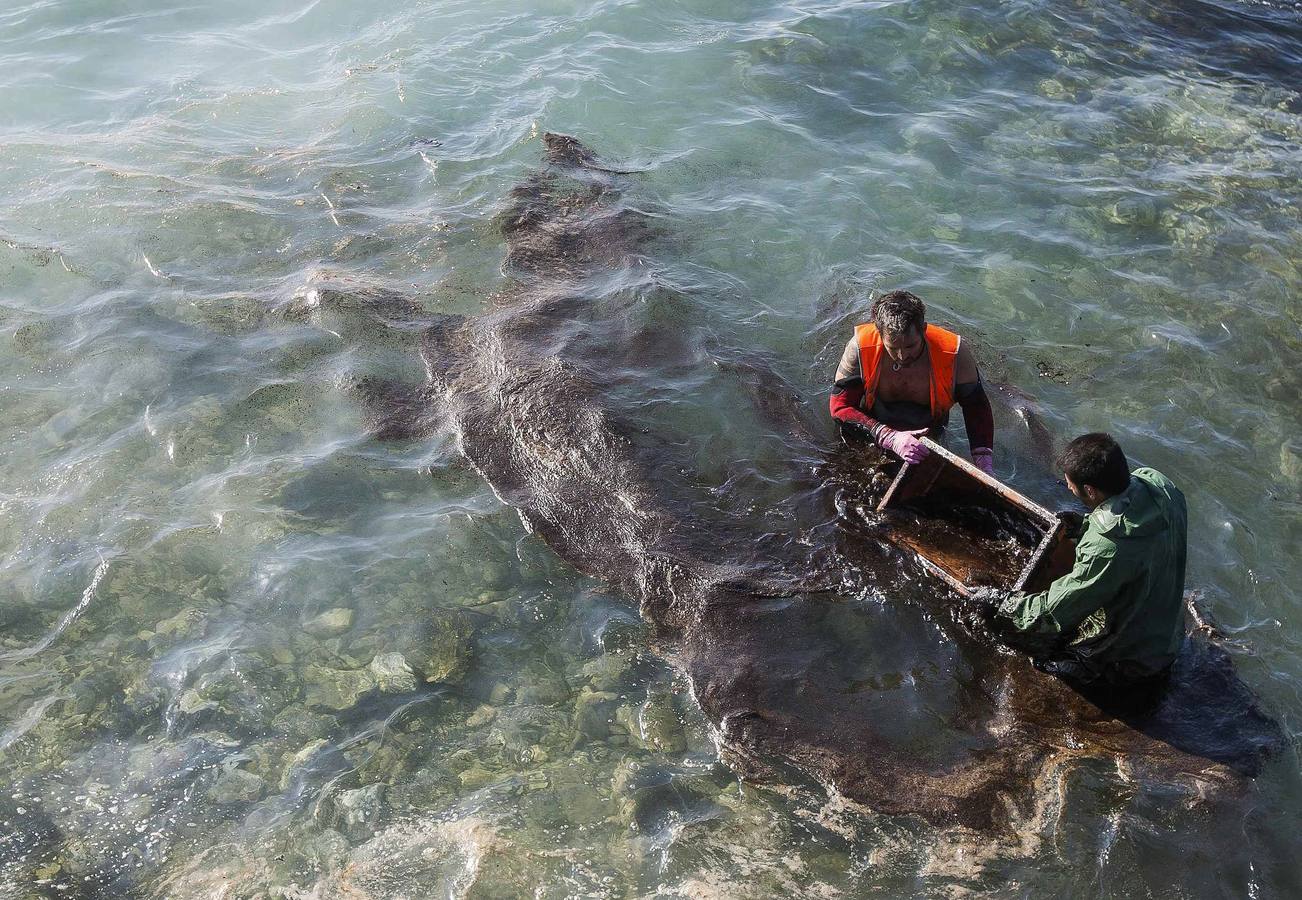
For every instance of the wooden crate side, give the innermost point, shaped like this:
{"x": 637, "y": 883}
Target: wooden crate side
{"x": 1053, "y": 558}
{"x": 943, "y": 470}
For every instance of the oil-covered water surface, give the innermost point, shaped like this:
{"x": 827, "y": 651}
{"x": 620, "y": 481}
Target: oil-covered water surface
{"x": 250, "y": 648}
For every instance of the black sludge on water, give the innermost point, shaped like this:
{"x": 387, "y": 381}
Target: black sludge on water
{"x": 902, "y": 705}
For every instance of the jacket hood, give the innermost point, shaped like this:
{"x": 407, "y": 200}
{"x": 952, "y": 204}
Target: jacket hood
{"x": 1146, "y": 506}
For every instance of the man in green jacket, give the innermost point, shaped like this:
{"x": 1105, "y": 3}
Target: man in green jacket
{"x": 1118, "y": 617}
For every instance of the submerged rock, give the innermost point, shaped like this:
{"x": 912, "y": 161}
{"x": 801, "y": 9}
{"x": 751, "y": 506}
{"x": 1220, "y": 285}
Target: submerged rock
{"x": 1054, "y": 89}
{"x": 329, "y": 849}
{"x": 625, "y": 728}
{"x": 445, "y": 654}
{"x": 1135, "y": 211}
{"x": 331, "y": 623}
{"x": 228, "y": 315}
{"x": 482, "y": 715}
{"x": 593, "y": 713}
{"x": 237, "y": 786}
{"x": 519, "y": 729}
{"x": 659, "y": 725}
{"x": 573, "y": 799}
{"x": 296, "y": 762}
{"x": 423, "y": 789}
{"x": 948, "y": 227}
{"x": 392, "y": 674}
{"x": 298, "y": 724}
{"x": 608, "y": 672}
{"x": 38, "y": 340}
{"x": 184, "y": 624}
{"x": 543, "y": 688}
{"x": 1290, "y": 461}
{"x": 239, "y": 691}
{"x": 335, "y": 689}
{"x": 358, "y": 812}
{"x": 650, "y": 797}
{"x": 475, "y": 777}
{"x": 620, "y": 633}
{"x": 192, "y": 703}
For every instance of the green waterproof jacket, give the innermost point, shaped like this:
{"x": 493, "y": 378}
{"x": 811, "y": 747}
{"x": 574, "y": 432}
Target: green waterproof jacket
{"x": 1119, "y": 613}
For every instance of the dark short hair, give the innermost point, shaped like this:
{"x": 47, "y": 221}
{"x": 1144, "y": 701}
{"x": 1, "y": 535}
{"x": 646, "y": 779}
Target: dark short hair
{"x": 1096, "y": 459}
{"x": 898, "y": 312}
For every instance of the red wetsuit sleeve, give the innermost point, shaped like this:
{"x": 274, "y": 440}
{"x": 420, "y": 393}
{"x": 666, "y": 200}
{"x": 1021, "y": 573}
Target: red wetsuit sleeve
{"x": 978, "y": 416}
{"x": 844, "y": 406}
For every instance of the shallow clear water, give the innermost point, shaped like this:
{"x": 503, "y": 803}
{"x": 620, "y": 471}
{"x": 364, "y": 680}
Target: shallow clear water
{"x": 208, "y": 567}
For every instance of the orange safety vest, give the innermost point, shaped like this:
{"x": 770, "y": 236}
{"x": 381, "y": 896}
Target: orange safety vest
{"x": 942, "y": 347}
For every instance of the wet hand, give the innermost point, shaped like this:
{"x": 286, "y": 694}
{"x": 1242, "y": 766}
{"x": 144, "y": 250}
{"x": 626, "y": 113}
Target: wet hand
{"x": 981, "y": 606}
{"x": 1072, "y": 521}
{"x": 904, "y": 444}
{"x": 984, "y": 459}
{"x": 988, "y": 597}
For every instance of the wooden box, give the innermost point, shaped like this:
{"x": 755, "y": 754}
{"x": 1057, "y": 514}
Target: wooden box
{"x": 971, "y": 529}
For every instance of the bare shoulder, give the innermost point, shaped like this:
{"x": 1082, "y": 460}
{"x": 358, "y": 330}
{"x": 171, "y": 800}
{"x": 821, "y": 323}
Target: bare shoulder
{"x": 849, "y": 365}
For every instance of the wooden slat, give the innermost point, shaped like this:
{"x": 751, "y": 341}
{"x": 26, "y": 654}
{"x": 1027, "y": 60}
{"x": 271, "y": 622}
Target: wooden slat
{"x": 946, "y": 469}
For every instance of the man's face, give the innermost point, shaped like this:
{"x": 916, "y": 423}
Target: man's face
{"x": 904, "y": 348}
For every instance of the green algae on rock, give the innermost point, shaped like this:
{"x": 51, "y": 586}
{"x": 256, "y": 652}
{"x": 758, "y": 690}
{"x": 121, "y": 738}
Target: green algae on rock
{"x": 443, "y": 646}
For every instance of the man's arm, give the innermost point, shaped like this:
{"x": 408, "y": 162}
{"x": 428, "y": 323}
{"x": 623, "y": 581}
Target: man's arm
{"x": 848, "y": 391}
{"x": 1053, "y": 616}
{"x": 977, "y": 414}
{"x": 844, "y": 405}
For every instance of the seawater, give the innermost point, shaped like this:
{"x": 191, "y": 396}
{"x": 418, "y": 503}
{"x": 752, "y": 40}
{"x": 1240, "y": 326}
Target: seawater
{"x": 246, "y": 650}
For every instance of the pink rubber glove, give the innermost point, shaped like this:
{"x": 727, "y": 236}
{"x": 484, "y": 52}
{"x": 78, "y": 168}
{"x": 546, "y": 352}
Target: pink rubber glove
{"x": 984, "y": 459}
{"x": 904, "y": 444}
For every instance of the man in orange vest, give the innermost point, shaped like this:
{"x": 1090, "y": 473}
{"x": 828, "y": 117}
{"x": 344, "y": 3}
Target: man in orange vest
{"x": 899, "y": 377}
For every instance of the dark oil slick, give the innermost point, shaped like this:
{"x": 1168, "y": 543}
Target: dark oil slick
{"x": 776, "y": 661}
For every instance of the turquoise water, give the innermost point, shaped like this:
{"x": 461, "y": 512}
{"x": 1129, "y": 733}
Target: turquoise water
{"x": 209, "y": 568}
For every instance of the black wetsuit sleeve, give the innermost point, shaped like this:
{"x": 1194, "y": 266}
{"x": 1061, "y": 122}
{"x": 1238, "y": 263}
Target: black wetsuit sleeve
{"x": 977, "y": 415}
{"x": 847, "y": 395}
